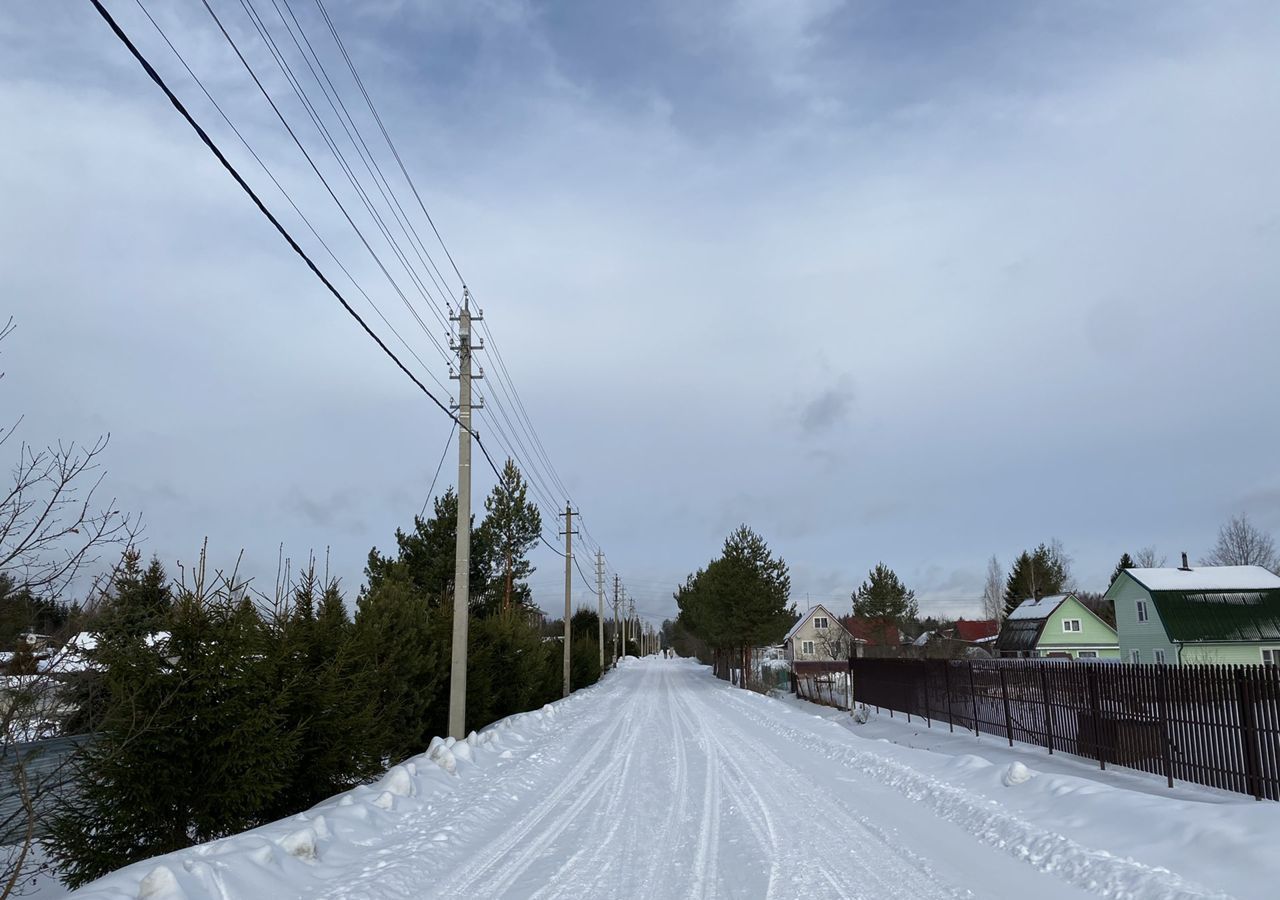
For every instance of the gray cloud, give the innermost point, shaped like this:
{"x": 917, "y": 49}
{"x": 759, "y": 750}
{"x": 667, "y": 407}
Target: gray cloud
{"x": 1046, "y": 262}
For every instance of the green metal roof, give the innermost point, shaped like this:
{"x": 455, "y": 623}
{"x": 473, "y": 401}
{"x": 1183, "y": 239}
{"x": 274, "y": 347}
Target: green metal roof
{"x": 1212, "y": 616}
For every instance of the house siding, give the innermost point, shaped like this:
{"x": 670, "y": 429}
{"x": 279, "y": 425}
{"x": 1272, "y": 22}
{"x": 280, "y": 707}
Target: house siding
{"x": 820, "y": 637}
{"x": 1240, "y": 654}
{"x": 1094, "y": 634}
{"x": 1145, "y": 637}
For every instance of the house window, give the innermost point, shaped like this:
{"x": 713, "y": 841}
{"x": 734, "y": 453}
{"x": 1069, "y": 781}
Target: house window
{"x": 1159, "y": 654}
{"x": 1087, "y": 654}
{"x": 1142, "y": 610}
{"x": 807, "y": 648}
{"x": 1070, "y": 624}
{"x": 821, "y": 623}
{"x": 1271, "y": 656}
{"x": 1135, "y": 656}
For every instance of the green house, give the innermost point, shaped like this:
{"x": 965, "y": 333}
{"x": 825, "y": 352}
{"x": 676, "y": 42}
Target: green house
{"x": 1209, "y": 614}
{"x": 1060, "y": 627}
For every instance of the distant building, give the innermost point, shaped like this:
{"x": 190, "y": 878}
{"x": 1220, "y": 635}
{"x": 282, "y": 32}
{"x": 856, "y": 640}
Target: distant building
{"x": 1059, "y": 627}
{"x": 1208, "y": 614}
{"x": 819, "y": 636}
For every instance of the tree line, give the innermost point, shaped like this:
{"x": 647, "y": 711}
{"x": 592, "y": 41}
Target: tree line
{"x": 214, "y": 709}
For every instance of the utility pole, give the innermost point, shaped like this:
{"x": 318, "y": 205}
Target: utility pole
{"x": 462, "y": 546}
{"x": 600, "y": 602}
{"x": 631, "y": 616}
{"x": 617, "y": 624}
{"x": 568, "y": 588}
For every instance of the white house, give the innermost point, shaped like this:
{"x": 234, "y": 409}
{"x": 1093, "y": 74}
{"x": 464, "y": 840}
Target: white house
{"x": 818, "y": 636}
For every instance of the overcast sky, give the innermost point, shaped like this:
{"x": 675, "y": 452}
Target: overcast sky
{"x": 917, "y": 283}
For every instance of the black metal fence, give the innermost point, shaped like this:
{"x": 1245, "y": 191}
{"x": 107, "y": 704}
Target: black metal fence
{"x": 1212, "y": 725}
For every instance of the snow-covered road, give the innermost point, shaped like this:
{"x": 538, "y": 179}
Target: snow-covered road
{"x": 660, "y": 782}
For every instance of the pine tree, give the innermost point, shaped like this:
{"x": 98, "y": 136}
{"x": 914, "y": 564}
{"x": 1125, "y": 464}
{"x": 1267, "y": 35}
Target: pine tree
{"x": 1126, "y": 562}
{"x": 884, "y": 597}
{"x": 511, "y": 527}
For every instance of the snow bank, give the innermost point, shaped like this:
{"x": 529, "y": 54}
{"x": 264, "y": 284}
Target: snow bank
{"x": 1116, "y": 833}
{"x": 297, "y": 856}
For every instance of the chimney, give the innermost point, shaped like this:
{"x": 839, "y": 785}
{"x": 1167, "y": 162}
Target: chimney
{"x": 1185, "y": 567}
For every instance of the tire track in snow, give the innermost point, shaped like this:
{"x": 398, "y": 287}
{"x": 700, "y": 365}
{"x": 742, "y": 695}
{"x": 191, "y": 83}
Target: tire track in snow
{"x": 599, "y": 855}
{"x": 844, "y": 849}
{"x": 544, "y": 813}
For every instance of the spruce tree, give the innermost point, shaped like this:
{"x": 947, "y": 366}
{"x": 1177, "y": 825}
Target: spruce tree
{"x": 884, "y": 597}
{"x": 425, "y": 556}
{"x": 1126, "y": 562}
{"x": 405, "y": 643}
{"x": 189, "y": 746}
{"x": 1039, "y": 573}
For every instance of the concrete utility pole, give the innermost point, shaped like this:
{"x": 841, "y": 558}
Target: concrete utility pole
{"x": 631, "y": 617}
{"x": 600, "y": 602}
{"x": 568, "y": 587}
{"x": 462, "y": 546}
{"x": 617, "y": 624}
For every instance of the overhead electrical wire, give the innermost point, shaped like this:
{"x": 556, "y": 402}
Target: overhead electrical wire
{"x": 510, "y": 407}
{"x": 318, "y": 121}
{"x": 275, "y": 222}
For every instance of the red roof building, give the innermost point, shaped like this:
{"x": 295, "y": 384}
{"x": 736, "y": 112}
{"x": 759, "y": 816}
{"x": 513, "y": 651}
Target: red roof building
{"x": 976, "y": 630}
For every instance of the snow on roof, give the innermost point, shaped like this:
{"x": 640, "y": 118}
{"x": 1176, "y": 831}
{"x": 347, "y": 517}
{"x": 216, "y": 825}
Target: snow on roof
{"x": 805, "y": 618}
{"x": 1206, "y": 578}
{"x": 85, "y": 640}
{"x": 1038, "y": 609}
{"x": 923, "y": 639}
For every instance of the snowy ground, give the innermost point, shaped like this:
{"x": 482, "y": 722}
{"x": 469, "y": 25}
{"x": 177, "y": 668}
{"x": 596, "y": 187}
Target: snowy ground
{"x": 664, "y": 782}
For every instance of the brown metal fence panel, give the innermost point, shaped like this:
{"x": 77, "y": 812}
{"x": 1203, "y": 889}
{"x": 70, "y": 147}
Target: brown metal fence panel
{"x": 1212, "y": 725}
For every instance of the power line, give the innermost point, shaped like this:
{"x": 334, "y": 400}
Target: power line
{"x": 284, "y": 233}
{"x": 368, "y": 100}
{"x": 432, "y": 490}
{"x": 244, "y": 185}
{"x": 315, "y": 168}
{"x": 271, "y": 175}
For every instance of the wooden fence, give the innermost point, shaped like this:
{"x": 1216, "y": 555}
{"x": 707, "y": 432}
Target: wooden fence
{"x": 1212, "y": 725}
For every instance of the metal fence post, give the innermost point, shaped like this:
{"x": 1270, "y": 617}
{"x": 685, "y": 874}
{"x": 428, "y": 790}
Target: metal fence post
{"x": 1091, "y": 682}
{"x": 973, "y": 699}
{"x": 1163, "y": 702}
{"x": 1008, "y": 717}
{"x": 946, "y": 687}
{"x": 928, "y": 710}
{"x": 1248, "y": 733}
{"x": 1048, "y": 709}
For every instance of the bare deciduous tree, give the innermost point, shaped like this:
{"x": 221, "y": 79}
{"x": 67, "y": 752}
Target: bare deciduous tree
{"x": 993, "y": 591}
{"x": 1148, "y": 558}
{"x": 1241, "y": 543}
{"x": 53, "y": 530}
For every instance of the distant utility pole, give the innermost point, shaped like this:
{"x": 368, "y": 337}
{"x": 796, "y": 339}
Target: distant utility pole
{"x": 631, "y": 616}
{"x": 462, "y": 547}
{"x": 568, "y": 588}
{"x": 617, "y": 623}
{"x": 600, "y": 602}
